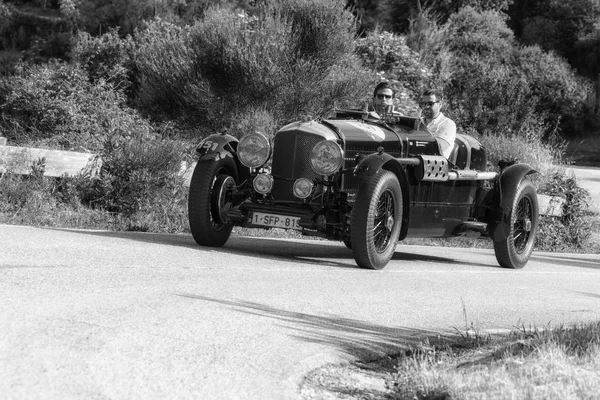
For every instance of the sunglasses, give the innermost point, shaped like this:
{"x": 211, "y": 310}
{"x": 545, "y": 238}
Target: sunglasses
{"x": 428, "y": 103}
{"x": 384, "y": 96}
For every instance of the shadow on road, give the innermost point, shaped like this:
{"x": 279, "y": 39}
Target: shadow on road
{"x": 591, "y": 263}
{"x": 361, "y": 340}
{"x": 317, "y": 252}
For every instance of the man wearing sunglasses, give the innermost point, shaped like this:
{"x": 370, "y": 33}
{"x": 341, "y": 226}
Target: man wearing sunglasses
{"x": 440, "y": 126}
{"x": 383, "y": 99}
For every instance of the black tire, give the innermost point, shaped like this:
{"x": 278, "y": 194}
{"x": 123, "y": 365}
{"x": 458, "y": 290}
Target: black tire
{"x": 376, "y": 220}
{"x": 207, "y": 202}
{"x": 348, "y": 244}
{"x": 515, "y": 250}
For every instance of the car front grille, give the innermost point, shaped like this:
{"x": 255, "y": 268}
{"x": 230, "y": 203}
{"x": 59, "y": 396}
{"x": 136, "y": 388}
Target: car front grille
{"x": 291, "y": 160}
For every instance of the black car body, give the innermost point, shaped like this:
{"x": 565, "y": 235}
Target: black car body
{"x": 364, "y": 180}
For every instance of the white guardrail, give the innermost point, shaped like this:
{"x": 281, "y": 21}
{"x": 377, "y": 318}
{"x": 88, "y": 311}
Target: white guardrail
{"x": 57, "y": 163}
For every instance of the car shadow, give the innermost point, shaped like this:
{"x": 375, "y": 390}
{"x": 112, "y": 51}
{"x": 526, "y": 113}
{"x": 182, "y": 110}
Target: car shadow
{"x": 572, "y": 261}
{"x": 359, "y": 339}
{"x": 317, "y": 252}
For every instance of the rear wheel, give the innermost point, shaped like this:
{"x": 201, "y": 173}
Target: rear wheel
{"x": 376, "y": 220}
{"x": 209, "y": 200}
{"x": 514, "y": 251}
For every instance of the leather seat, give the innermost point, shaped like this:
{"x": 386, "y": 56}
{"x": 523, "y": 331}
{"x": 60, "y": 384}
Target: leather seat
{"x": 461, "y": 153}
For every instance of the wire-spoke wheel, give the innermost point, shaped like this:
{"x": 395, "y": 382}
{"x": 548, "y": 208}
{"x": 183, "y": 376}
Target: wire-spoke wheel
{"x": 514, "y": 251}
{"x": 376, "y": 220}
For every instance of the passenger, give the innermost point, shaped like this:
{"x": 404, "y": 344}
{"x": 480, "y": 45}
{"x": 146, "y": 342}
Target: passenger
{"x": 440, "y": 126}
{"x": 383, "y": 99}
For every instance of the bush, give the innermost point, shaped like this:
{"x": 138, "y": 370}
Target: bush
{"x": 565, "y": 97}
{"x": 571, "y": 231}
{"x": 54, "y": 105}
{"x": 496, "y": 86}
{"x": 528, "y": 148}
{"x": 170, "y": 86}
{"x": 481, "y": 34}
{"x": 105, "y": 58}
{"x": 289, "y": 57}
{"x": 389, "y": 55}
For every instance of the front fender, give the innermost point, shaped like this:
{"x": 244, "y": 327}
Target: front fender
{"x": 372, "y": 164}
{"x": 508, "y": 182}
{"x": 217, "y": 147}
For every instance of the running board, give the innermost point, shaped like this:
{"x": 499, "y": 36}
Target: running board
{"x": 471, "y": 228}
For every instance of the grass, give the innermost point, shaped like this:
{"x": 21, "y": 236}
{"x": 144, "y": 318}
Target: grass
{"x": 527, "y": 363}
{"x": 560, "y": 363}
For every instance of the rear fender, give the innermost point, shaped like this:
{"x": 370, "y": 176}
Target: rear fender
{"x": 370, "y": 165}
{"x": 505, "y": 196}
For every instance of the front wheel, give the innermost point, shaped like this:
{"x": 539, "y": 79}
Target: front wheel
{"x": 514, "y": 251}
{"x": 208, "y": 202}
{"x": 376, "y": 220}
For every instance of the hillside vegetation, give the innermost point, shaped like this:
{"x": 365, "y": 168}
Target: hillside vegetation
{"x": 141, "y": 84}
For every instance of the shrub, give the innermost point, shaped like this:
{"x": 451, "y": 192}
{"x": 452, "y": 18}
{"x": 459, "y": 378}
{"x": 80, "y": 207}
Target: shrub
{"x": 107, "y": 58}
{"x": 528, "y": 148}
{"x": 572, "y": 229}
{"x": 290, "y": 57}
{"x": 482, "y": 34}
{"x": 492, "y": 98}
{"x": 394, "y": 61}
{"x": 563, "y": 95}
{"x": 55, "y": 105}
{"x": 170, "y": 87}
{"x": 8, "y": 62}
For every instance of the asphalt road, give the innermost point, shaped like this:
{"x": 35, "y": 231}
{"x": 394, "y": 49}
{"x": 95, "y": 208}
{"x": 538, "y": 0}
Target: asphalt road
{"x": 105, "y": 315}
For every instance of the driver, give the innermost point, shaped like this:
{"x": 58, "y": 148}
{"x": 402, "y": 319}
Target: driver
{"x": 440, "y": 126}
{"x": 383, "y": 99}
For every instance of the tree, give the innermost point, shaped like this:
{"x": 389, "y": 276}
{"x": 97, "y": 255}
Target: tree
{"x": 554, "y": 24}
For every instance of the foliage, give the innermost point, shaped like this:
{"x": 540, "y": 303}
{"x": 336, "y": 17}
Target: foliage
{"x": 291, "y": 57}
{"x": 527, "y": 147}
{"x": 497, "y": 86}
{"x": 427, "y": 37}
{"x": 137, "y": 174}
{"x": 97, "y": 17}
{"x": 395, "y": 62}
{"x": 553, "y": 363}
{"x": 55, "y": 104}
{"x": 170, "y": 86}
{"x": 395, "y": 15}
{"x": 104, "y": 58}
{"x": 588, "y": 54}
{"x": 485, "y": 33}
{"x": 566, "y": 97}
{"x": 5, "y": 16}
{"x": 554, "y": 24}
{"x": 572, "y": 229}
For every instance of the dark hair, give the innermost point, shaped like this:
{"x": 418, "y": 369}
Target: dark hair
{"x": 433, "y": 92}
{"x": 384, "y": 85}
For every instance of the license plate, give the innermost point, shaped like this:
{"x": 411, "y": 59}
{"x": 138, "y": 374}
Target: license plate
{"x": 275, "y": 221}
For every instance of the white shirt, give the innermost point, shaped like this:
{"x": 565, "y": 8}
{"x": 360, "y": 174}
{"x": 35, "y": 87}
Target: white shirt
{"x": 444, "y": 131}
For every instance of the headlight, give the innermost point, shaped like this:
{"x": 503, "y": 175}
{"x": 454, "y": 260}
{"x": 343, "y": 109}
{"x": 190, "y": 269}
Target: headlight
{"x": 263, "y": 183}
{"x": 326, "y": 157}
{"x": 254, "y": 150}
{"x": 302, "y": 188}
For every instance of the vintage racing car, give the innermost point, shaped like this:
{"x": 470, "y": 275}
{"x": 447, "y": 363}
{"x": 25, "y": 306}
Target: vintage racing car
{"x": 363, "y": 179}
